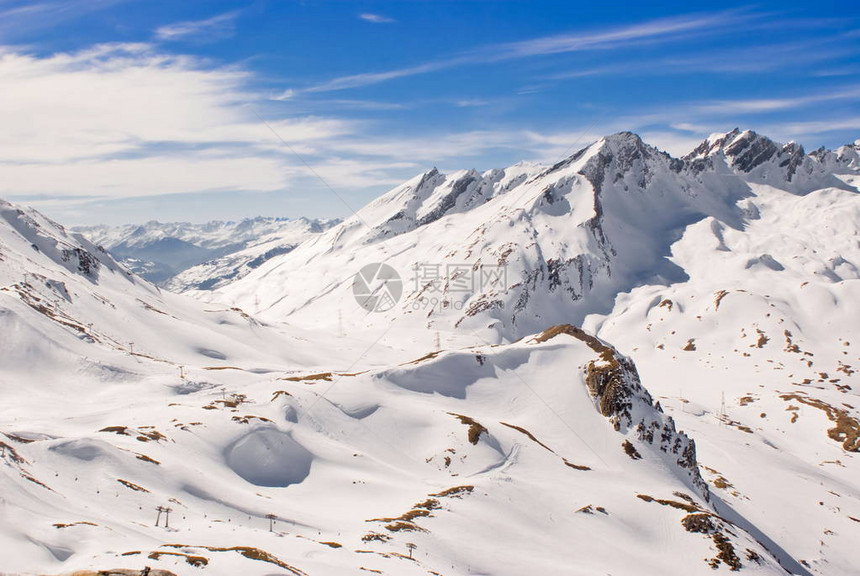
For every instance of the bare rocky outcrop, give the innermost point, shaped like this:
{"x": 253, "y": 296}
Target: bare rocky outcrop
{"x": 614, "y": 385}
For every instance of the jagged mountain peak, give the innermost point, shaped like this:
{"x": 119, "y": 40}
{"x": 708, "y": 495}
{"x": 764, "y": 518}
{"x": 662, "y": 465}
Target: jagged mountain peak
{"x": 625, "y": 145}
{"x": 623, "y": 156}
{"x": 747, "y": 150}
{"x": 623, "y": 139}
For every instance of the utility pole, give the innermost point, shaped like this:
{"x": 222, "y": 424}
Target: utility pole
{"x": 272, "y": 519}
{"x": 411, "y": 547}
{"x": 158, "y": 518}
{"x": 167, "y": 512}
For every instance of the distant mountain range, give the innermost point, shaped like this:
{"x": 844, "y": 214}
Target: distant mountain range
{"x": 184, "y": 256}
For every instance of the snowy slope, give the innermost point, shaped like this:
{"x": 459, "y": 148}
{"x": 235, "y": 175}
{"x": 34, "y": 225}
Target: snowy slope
{"x": 216, "y": 252}
{"x": 543, "y": 455}
{"x": 768, "y": 324}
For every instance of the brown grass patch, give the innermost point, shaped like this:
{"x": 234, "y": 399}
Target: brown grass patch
{"x": 744, "y": 400}
{"x": 150, "y": 435}
{"x": 231, "y": 401}
{"x": 404, "y": 527}
{"x": 846, "y": 429}
{"x": 132, "y": 485}
{"x": 324, "y": 376}
{"x": 429, "y": 356}
{"x": 375, "y": 537}
{"x": 593, "y": 342}
{"x": 631, "y": 450}
{"x": 406, "y": 517}
{"x": 247, "y": 552}
{"x": 196, "y": 561}
{"x": 455, "y": 492}
{"x": 686, "y": 506}
{"x": 429, "y": 504}
{"x": 146, "y": 458}
{"x": 528, "y": 434}
{"x": 247, "y": 419}
{"x": 475, "y": 429}
{"x": 22, "y": 440}
{"x": 74, "y": 524}
{"x": 589, "y": 509}
{"x": 790, "y": 346}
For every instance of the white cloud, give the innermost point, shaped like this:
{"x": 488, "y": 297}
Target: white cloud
{"x": 659, "y": 30}
{"x": 376, "y": 18}
{"x": 154, "y": 175}
{"x": 688, "y": 127}
{"x": 367, "y": 79}
{"x": 122, "y": 120}
{"x": 662, "y": 29}
{"x": 214, "y": 28}
{"x": 20, "y": 17}
{"x": 729, "y": 107}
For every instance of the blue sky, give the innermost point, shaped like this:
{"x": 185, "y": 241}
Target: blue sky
{"x": 128, "y": 110}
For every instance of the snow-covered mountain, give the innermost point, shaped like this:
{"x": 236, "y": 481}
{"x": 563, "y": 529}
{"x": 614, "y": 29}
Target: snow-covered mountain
{"x": 473, "y": 427}
{"x": 183, "y": 256}
{"x": 730, "y": 276}
{"x": 569, "y": 237}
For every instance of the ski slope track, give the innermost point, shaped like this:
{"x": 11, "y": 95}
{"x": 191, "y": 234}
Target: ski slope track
{"x": 664, "y": 383}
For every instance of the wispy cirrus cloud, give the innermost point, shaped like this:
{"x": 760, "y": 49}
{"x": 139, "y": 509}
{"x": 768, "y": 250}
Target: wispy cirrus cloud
{"x": 21, "y": 17}
{"x": 215, "y": 28}
{"x": 376, "y": 18}
{"x": 658, "y": 30}
{"x": 758, "y": 105}
{"x": 740, "y": 60}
